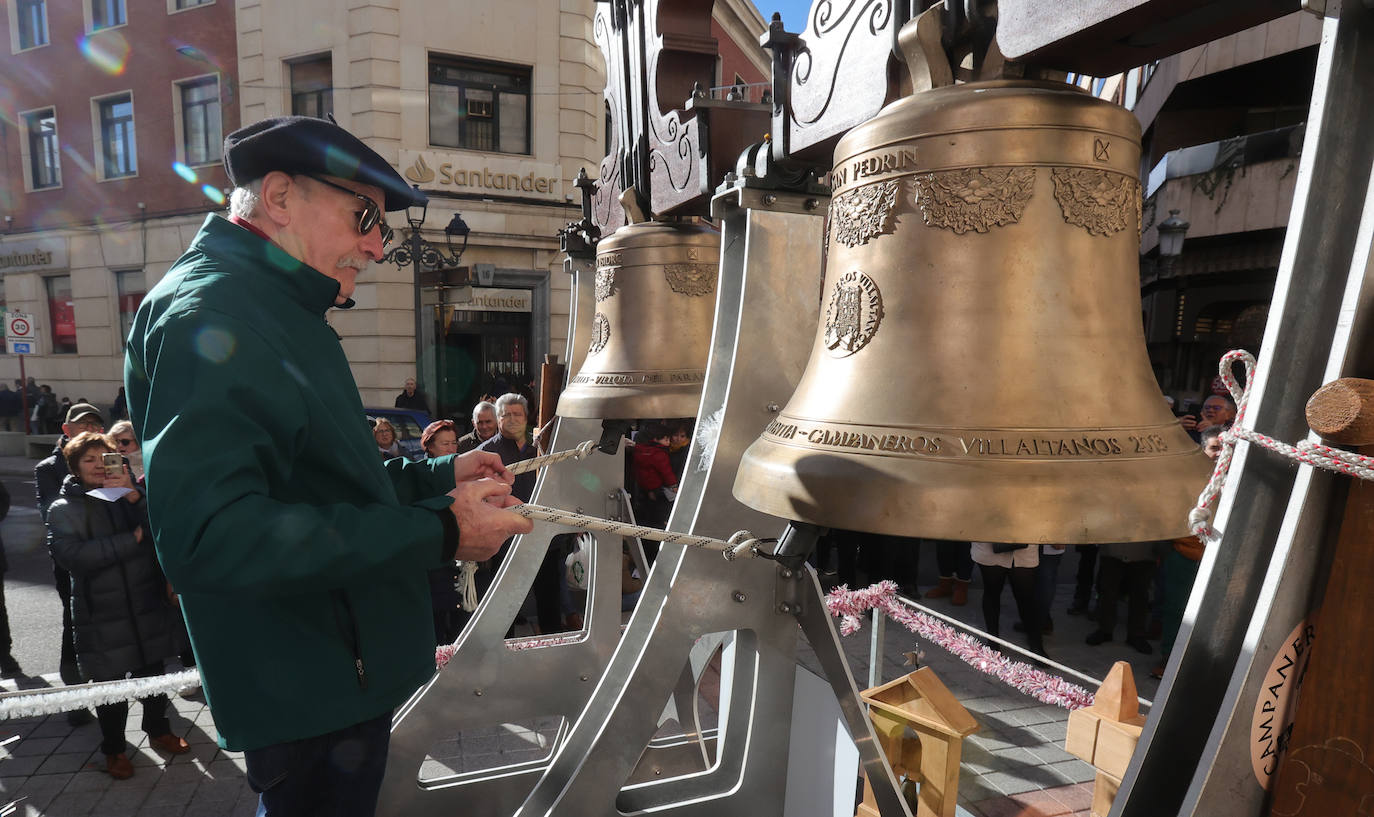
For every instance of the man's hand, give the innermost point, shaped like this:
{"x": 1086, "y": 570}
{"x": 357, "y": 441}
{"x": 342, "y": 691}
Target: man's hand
{"x": 480, "y": 465}
{"x": 1188, "y": 421}
{"x": 482, "y": 524}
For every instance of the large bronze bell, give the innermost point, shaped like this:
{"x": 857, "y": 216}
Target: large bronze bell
{"x": 980, "y": 372}
{"x": 651, "y": 333}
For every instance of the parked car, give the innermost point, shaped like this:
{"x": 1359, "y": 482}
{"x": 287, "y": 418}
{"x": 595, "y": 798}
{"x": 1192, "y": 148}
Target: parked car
{"x": 410, "y": 424}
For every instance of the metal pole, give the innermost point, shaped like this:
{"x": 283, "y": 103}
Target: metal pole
{"x": 875, "y": 648}
{"x": 24, "y": 395}
{"x": 419, "y": 336}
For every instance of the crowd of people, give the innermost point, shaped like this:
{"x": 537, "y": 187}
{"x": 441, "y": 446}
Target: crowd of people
{"x": 655, "y": 457}
{"x": 46, "y": 412}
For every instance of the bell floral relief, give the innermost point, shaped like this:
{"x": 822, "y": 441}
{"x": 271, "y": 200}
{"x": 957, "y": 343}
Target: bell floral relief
{"x": 1099, "y": 201}
{"x": 863, "y": 213}
{"x": 605, "y": 283}
{"x": 691, "y": 279}
{"x": 974, "y": 199}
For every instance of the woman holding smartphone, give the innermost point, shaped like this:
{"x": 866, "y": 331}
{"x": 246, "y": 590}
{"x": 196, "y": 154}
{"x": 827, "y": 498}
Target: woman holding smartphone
{"x": 119, "y": 600}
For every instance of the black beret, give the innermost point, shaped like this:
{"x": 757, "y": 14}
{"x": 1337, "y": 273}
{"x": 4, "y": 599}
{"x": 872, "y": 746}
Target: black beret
{"x": 306, "y": 145}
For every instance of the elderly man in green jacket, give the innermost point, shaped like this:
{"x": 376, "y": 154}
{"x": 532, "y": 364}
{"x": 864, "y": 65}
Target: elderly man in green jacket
{"x": 299, "y": 557}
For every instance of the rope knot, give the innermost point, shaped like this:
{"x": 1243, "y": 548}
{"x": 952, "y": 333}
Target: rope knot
{"x": 742, "y": 544}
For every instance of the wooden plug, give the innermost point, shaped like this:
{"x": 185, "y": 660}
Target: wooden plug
{"x": 1342, "y": 411}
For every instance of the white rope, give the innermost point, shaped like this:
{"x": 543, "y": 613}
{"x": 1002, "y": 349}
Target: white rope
{"x": 467, "y": 586}
{"x": 741, "y": 544}
{"x": 33, "y": 702}
{"x": 1305, "y": 452}
{"x": 29, "y": 703}
{"x": 580, "y": 452}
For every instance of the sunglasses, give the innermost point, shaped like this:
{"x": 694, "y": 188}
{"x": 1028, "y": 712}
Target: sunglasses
{"x": 121, "y": 442}
{"x": 370, "y": 216}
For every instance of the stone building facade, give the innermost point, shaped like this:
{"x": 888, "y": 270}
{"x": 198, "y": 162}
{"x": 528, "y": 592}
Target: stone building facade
{"x": 491, "y": 112}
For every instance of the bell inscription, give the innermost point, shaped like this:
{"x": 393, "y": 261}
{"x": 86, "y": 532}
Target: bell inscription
{"x": 864, "y": 212}
{"x": 896, "y": 161}
{"x": 1099, "y": 201}
{"x": 975, "y": 198}
{"x": 971, "y": 443}
{"x": 852, "y": 318}
{"x": 639, "y": 378}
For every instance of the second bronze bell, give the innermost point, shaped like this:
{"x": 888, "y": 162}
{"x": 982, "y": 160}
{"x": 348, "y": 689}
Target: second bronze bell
{"x": 651, "y": 331}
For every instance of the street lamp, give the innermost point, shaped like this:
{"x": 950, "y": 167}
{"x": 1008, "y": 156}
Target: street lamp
{"x": 1171, "y": 233}
{"x": 420, "y": 255}
{"x": 415, "y": 247}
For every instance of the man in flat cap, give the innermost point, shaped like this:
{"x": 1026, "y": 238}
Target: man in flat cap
{"x": 299, "y": 557}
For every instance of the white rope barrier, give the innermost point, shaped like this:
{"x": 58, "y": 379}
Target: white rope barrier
{"x": 29, "y": 703}
{"x": 1305, "y": 452}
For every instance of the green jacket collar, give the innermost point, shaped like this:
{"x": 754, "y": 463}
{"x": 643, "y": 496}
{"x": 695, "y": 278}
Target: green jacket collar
{"x": 271, "y": 266}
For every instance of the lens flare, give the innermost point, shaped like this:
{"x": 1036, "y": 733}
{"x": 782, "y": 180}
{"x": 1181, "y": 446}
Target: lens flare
{"x": 106, "y": 50}
{"x": 214, "y": 344}
{"x": 209, "y": 190}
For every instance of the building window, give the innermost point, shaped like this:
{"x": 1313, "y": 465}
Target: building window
{"x": 130, "y": 287}
{"x": 107, "y": 14}
{"x": 32, "y": 20}
{"x": 62, "y": 313}
{"x": 118, "y": 149}
{"x": 479, "y": 105}
{"x": 202, "y": 140}
{"x": 45, "y": 169}
{"x": 190, "y": 4}
{"x": 312, "y": 86}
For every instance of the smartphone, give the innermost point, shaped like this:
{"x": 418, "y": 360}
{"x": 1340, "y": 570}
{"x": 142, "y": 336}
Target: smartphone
{"x": 114, "y": 464}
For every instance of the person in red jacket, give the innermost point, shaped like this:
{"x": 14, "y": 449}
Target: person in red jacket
{"x": 655, "y": 482}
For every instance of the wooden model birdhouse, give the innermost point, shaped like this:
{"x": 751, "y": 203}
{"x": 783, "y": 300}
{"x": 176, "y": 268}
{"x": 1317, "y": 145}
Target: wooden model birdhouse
{"x": 921, "y": 727}
{"x": 1106, "y": 733}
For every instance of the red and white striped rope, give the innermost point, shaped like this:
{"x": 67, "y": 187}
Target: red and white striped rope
{"x": 1305, "y": 452}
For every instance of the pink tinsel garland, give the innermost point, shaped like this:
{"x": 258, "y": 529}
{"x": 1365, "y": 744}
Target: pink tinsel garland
{"x": 443, "y": 654}
{"x": 850, "y": 605}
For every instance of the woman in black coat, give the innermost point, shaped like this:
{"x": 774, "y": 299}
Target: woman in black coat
{"x": 120, "y": 606}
